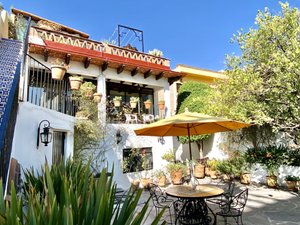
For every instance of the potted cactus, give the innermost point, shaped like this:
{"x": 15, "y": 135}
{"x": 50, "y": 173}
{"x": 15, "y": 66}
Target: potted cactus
{"x": 58, "y": 69}
{"x": 75, "y": 82}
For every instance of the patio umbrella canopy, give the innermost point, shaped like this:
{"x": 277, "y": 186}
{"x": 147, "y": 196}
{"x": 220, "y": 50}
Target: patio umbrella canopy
{"x": 190, "y": 123}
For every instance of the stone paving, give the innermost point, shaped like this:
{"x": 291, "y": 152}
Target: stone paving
{"x": 264, "y": 207}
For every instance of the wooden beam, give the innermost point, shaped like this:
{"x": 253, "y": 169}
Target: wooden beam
{"x": 67, "y": 58}
{"x": 46, "y": 54}
{"x": 171, "y": 80}
{"x": 120, "y": 69}
{"x": 104, "y": 66}
{"x": 147, "y": 74}
{"x": 160, "y": 75}
{"x": 87, "y": 62}
{"x": 135, "y": 71}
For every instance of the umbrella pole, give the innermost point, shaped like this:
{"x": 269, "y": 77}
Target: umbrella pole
{"x": 190, "y": 148}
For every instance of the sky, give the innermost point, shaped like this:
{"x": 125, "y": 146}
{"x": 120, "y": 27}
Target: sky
{"x": 191, "y": 32}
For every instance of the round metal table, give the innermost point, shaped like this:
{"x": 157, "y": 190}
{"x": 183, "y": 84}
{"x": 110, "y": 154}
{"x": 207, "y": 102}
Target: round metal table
{"x": 191, "y": 208}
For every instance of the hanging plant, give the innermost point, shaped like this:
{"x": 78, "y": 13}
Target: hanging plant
{"x": 58, "y": 69}
{"x": 75, "y": 82}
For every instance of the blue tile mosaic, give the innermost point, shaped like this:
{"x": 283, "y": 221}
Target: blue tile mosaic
{"x": 10, "y": 52}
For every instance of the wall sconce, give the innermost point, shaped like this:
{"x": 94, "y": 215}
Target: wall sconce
{"x": 45, "y": 135}
{"x": 118, "y": 136}
{"x": 161, "y": 140}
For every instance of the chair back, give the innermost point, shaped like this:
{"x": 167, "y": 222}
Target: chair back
{"x": 157, "y": 195}
{"x": 239, "y": 200}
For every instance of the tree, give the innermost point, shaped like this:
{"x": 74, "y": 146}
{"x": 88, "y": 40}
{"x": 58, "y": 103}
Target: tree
{"x": 263, "y": 85}
{"x": 193, "y": 96}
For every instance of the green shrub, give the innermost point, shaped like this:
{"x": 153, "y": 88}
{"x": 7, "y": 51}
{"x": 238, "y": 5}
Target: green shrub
{"x": 71, "y": 195}
{"x": 291, "y": 178}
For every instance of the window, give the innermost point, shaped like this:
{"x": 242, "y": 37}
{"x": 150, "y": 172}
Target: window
{"x": 137, "y": 159}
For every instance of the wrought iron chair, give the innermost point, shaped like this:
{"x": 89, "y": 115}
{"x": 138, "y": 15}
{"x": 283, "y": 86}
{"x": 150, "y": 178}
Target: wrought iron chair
{"x": 226, "y": 196}
{"x": 148, "y": 118}
{"x": 193, "y": 212}
{"x": 160, "y": 200}
{"x": 131, "y": 118}
{"x": 235, "y": 207}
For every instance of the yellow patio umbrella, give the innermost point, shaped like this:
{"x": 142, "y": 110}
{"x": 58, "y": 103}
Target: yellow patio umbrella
{"x": 190, "y": 123}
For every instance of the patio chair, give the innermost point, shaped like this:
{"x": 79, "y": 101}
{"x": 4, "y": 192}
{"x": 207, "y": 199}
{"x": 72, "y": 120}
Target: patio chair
{"x": 160, "y": 200}
{"x": 148, "y": 118}
{"x": 226, "y": 196}
{"x": 234, "y": 208}
{"x": 131, "y": 118}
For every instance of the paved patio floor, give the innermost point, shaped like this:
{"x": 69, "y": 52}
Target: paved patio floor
{"x": 264, "y": 207}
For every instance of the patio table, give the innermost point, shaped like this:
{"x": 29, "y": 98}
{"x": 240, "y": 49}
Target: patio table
{"x": 191, "y": 208}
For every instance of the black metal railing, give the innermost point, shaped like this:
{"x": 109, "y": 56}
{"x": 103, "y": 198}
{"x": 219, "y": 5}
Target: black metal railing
{"x": 47, "y": 92}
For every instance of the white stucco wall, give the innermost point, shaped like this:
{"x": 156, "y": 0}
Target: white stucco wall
{"x": 3, "y": 24}
{"x": 24, "y": 147}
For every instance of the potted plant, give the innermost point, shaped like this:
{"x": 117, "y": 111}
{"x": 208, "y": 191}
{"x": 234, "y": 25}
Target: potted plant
{"x": 58, "y": 69}
{"x": 176, "y": 171}
{"x": 161, "y": 178}
{"x": 75, "y": 82}
{"x": 199, "y": 169}
{"x": 161, "y": 104}
{"x": 291, "y": 182}
{"x": 148, "y": 104}
{"x": 224, "y": 167}
{"x": 87, "y": 89}
{"x": 134, "y": 101}
{"x": 97, "y": 97}
{"x": 212, "y": 165}
{"x": 117, "y": 101}
{"x": 169, "y": 156}
{"x": 156, "y": 52}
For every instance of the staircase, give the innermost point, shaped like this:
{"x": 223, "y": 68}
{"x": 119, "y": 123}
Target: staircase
{"x": 10, "y": 57}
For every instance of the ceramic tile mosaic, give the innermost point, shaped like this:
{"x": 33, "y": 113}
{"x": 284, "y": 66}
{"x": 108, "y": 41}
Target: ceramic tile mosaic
{"x": 10, "y": 51}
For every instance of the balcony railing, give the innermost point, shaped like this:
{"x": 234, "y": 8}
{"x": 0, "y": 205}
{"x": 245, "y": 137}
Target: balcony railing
{"x": 63, "y": 38}
{"x": 46, "y": 92}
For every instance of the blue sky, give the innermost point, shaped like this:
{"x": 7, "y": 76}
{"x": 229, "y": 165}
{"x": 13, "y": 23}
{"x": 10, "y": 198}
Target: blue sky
{"x": 191, "y": 32}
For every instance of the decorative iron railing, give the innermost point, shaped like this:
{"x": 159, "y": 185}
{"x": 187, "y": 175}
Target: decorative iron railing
{"x": 46, "y": 92}
{"x": 72, "y": 40}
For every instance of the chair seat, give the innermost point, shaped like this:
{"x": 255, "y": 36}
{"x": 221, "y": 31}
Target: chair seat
{"x": 230, "y": 213}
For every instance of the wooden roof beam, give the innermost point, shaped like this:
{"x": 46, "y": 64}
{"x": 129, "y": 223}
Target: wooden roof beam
{"x": 46, "y": 54}
{"x": 135, "y": 71}
{"x": 67, "y": 58}
{"x": 171, "y": 80}
{"x": 147, "y": 74}
{"x": 104, "y": 66}
{"x": 87, "y": 62}
{"x": 120, "y": 69}
{"x": 159, "y": 76}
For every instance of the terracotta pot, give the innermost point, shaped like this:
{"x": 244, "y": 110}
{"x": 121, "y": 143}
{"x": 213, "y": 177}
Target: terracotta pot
{"x": 226, "y": 177}
{"x": 135, "y": 184}
{"x": 117, "y": 103}
{"x": 58, "y": 72}
{"x": 146, "y": 182}
{"x": 161, "y": 105}
{"x": 272, "y": 181}
{"x": 213, "y": 174}
{"x": 177, "y": 177}
{"x": 207, "y": 171}
{"x": 97, "y": 97}
{"x": 199, "y": 171}
{"x": 291, "y": 185}
{"x": 75, "y": 83}
{"x": 245, "y": 178}
{"x": 133, "y": 105}
{"x": 147, "y": 105}
{"x": 162, "y": 181}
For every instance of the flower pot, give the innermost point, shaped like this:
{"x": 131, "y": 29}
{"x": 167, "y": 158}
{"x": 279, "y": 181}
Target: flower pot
{"x": 213, "y": 174}
{"x": 207, "y": 171}
{"x": 146, "y": 182}
{"x": 133, "y": 105}
{"x": 291, "y": 185}
{"x": 147, "y": 105}
{"x": 162, "y": 181}
{"x": 135, "y": 184}
{"x": 226, "y": 177}
{"x": 245, "y": 178}
{"x": 176, "y": 177}
{"x": 58, "y": 72}
{"x": 97, "y": 97}
{"x": 161, "y": 105}
{"x": 117, "y": 103}
{"x": 199, "y": 171}
{"x": 272, "y": 181}
{"x": 75, "y": 83}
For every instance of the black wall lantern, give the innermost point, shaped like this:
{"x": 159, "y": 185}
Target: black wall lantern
{"x": 118, "y": 136}
{"x": 45, "y": 135}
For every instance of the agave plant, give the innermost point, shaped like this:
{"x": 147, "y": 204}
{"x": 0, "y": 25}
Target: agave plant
{"x": 71, "y": 195}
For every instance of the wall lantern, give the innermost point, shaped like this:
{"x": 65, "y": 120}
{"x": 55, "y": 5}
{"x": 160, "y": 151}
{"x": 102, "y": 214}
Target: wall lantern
{"x": 161, "y": 140}
{"x": 118, "y": 136}
{"x": 45, "y": 135}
